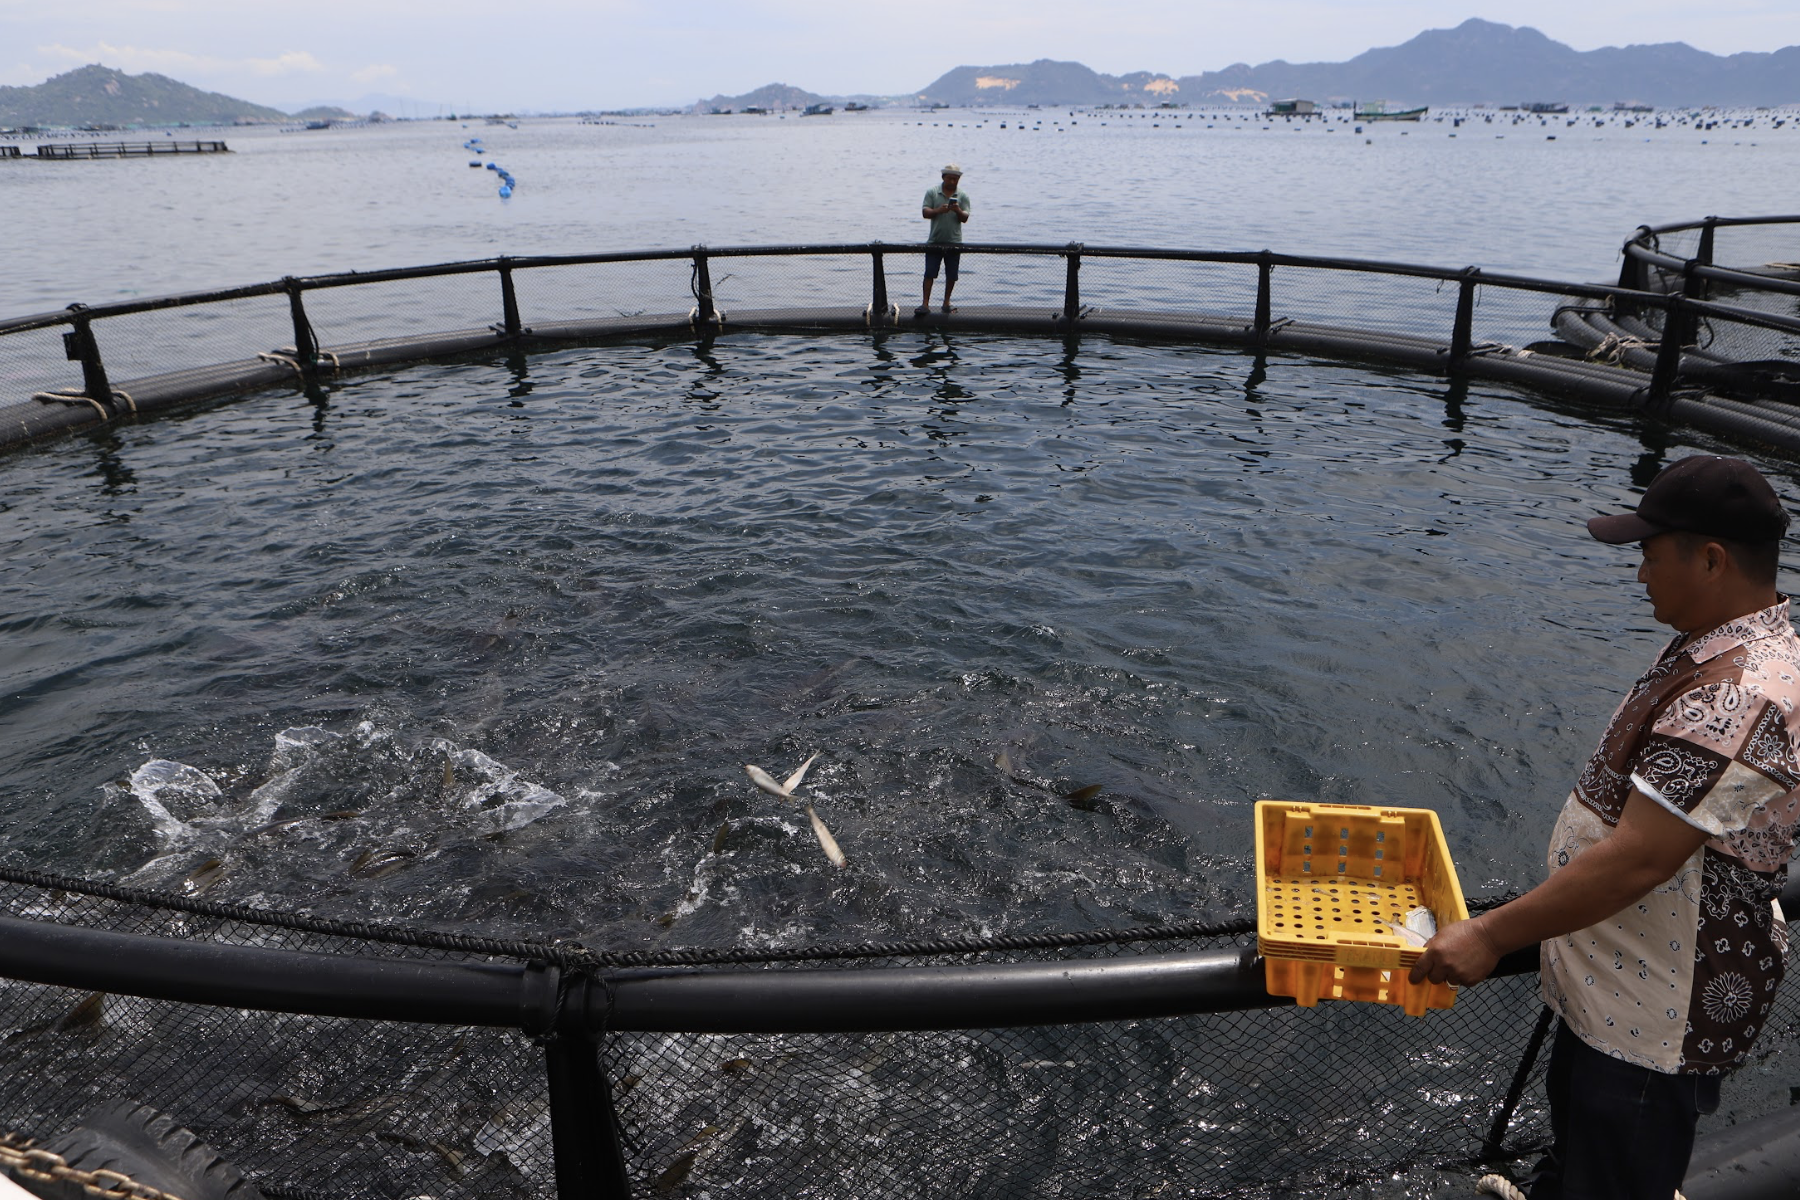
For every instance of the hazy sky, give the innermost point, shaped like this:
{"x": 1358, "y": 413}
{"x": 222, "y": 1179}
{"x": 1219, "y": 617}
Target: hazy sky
{"x": 571, "y": 54}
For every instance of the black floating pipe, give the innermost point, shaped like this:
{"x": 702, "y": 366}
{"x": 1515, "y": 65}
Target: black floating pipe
{"x": 79, "y": 346}
{"x": 879, "y": 304}
{"x": 293, "y": 981}
{"x": 988, "y": 996}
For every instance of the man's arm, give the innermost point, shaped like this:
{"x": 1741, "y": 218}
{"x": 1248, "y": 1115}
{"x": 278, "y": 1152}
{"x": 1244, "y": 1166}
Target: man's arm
{"x": 1646, "y": 850}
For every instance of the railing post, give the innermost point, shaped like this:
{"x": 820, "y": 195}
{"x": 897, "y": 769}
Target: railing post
{"x": 1668, "y": 355}
{"x": 1631, "y": 274}
{"x": 79, "y": 345}
{"x": 509, "y": 300}
{"x": 879, "y": 305}
{"x": 1265, "y": 268}
{"x": 1071, "y": 308}
{"x": 1462, "y": 337}
{"x": 1703, "y": 256}
{"x": 584, "y": 1129}
{"x": 306, "y": 346}
{"x": 706, "y": 314}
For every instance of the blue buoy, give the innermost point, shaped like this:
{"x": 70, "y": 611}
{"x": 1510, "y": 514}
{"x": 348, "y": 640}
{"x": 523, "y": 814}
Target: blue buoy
{"x": 493, "y": 166}
{"x": 505, "y": 190}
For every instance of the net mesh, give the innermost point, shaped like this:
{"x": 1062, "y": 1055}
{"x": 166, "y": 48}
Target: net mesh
{"x": 1238, "y": 1104}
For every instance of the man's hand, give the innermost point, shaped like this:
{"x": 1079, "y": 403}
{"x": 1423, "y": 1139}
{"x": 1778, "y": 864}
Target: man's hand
{"x": 1461, "y": 954}
{"x": 1648, "y": 846}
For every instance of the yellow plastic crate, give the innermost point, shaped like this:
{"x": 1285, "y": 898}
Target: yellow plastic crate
{"x": 1329, "y": 879}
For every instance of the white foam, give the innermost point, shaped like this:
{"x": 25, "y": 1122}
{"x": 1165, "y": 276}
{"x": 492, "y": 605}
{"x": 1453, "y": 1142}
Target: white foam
{"x": 173, "y": 794}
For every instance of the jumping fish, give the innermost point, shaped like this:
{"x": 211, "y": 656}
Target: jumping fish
{"x": 785, "y": 790}
{"x": 827, "y": 843}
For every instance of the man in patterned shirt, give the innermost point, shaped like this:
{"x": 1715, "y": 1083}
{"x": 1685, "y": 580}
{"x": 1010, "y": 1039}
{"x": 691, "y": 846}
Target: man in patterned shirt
{"x": 1661, "y": 947}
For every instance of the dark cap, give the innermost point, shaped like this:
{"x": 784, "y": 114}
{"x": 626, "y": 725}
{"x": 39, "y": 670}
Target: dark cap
{"x": 1721, "y": 497}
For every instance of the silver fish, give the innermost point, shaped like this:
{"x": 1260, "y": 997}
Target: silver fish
{"x": 766, "y": 782}
{"x": 761, "y": 779}
{"x": 827, "y": 843}
{"x": 1418, "y": 927}
{"x": 785, "y": 790}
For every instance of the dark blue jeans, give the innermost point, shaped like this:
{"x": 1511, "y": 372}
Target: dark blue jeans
{"x": 950, "y": 257}
{"x": 1621, "y": 1131}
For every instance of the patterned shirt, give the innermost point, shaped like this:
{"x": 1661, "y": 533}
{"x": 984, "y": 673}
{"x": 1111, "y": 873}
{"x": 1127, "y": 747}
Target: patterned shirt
{"x": 1682, "y": 981}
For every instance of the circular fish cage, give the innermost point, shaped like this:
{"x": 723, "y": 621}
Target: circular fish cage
{"x": 312, "y": 962}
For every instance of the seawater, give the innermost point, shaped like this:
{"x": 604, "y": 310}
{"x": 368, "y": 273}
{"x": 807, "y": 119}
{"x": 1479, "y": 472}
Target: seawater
{"x": 485, "y": 645}
{"x": 1553, "y": 195}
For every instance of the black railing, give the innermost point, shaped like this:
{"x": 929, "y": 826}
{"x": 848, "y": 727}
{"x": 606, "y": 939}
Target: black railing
{"x": 570, "y": 1001}
{"x": 1281, "y": 318}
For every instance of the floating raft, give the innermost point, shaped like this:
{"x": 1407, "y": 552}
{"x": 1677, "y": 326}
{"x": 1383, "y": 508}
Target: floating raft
{"x": 130, "y": 149}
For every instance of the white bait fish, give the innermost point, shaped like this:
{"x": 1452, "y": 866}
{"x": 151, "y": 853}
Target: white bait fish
{"x": 785, "y": 790}
{"x": 1418, "y": 927}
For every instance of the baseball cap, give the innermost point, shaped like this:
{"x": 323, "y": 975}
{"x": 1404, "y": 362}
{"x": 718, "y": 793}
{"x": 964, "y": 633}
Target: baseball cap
{"x": 1710, "y": 494}
{"x": 952, "y": 169}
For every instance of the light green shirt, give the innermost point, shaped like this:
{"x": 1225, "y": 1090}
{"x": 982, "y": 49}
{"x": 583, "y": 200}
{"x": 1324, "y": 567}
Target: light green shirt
{"x": 946, "y": 227}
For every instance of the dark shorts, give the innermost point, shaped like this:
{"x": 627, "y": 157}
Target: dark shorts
{"x": 1620, "y": 1130}
{"x": 950, "y": 256}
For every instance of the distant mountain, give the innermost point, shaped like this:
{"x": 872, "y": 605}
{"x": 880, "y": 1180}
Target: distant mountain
{"x": 97, "y": 95}
{"x": 372, "y": 102}
{"x": 325, "y": 112}
{"x": 1047, "y": 82}
{"x": 1477, "y": 62}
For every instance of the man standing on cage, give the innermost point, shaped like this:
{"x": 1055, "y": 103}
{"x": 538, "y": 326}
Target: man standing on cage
{"x": 1661, "y": 946}
{"x": 947, "y": 208}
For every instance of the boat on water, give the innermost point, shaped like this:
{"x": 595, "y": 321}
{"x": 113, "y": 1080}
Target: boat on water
{"x": 1291, "y": 108}
{"x": 818, "y": 110}
{"x": 1379, "y": 111}
{"x": 1545, "y": 106}
{"x": 853, "y": 106}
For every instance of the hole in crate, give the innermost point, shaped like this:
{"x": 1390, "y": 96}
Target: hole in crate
{"x": 1380, "y": 836}
{"x": 1380, "y": 853}
{"x": 1306, "y": 849}
{"x": 1341, "y": 868}
{"x": 1344, "y": 834}
{"x": 1378, "y": 872}
{"x": 1309, "y": 831}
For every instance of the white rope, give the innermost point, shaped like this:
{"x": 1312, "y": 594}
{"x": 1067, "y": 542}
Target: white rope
{"x": 284, "y": 360}
{"x": 70, "y": 396}
{"x": 1612, "y": 348}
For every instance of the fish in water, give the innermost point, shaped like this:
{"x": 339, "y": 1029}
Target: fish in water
{"x": 86, "y": 1015}
{"x": 373, "y": 864}
{"x": 203, "y": 877}
{"x": 1418, "y": 927}
{"x": 785, "y": 790}
{"x": 1081, "y": 798}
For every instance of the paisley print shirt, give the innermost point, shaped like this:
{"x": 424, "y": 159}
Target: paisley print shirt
{"x": 1682, "y": 981}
